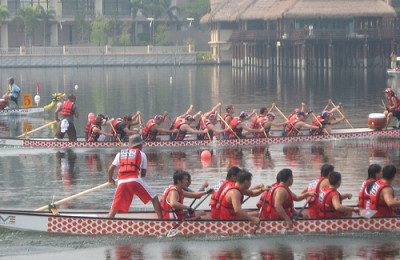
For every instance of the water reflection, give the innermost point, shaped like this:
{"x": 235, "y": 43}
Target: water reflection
{"x": 329, "y": 252}
{"x": 381, "y": 251}
{"x": 67, "y": 171}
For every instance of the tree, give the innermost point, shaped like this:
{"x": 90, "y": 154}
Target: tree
{"x": 100, "y": 27}
{"x": 125, "y": 38}
{"x": 46, "y": 17}
{"x": 160, "y": 37}
{"x": 27, "y": 19}
{"x": 3, "y": 13}
{"x": 82, "y": 27}
{"x": 195, "y": 9}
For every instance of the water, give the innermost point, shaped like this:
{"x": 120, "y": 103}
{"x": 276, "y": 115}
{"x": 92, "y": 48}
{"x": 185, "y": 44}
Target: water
{"x": 30, "y": 177}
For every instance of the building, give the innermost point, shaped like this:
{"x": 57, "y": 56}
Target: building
{"x": 301, "y": 33}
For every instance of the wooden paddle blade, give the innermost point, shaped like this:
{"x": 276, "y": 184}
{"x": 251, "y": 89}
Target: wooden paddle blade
{"x": 367, "y": 213}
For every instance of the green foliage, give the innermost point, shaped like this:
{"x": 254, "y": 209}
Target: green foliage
{"x": 160, "y": 37}
{"x": 125, "y": 38}
{"x": 203, "y": 56}
{"x": 46, "y": 17}
{"x": 28, "y": 19}
{"x": 195, "y": 9}
{"x": 82, "y": 27}
{"x": 3, "y": 13}
{"x": 100, "y": 27}
{"x": 189, "y": 41}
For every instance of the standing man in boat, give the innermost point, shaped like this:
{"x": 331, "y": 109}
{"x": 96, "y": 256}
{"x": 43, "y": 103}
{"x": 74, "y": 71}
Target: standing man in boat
{"x": 279, "y": 201}
{"x": 13, "y": 93}
{"x": 393, "y": 60}
{"x": 394, "y": 106}
{"x": 172, "y": 199}
{"x": 69, "y": 110}
{"x": 152, "y": 128}
{"x": 330, "y": 200}
{"x": 382, "y": 194}
{"x": 315, "y": 186}
{"x": 374, "y": 174}
{"x": 132, "y": 164}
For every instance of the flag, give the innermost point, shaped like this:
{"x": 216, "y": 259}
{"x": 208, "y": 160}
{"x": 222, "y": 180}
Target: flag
{"x": 38, "y": 87}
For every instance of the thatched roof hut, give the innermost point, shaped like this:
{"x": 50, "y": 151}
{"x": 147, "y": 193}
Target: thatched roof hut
{"x": 266, "y": 9}
{"x": 226, "y": 11}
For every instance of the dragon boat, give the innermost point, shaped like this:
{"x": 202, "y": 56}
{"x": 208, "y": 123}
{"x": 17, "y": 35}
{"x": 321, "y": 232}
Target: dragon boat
{"x": 337, "y": 134}
{"x": 26, "y": 111}
{"x": 146, "y": 224}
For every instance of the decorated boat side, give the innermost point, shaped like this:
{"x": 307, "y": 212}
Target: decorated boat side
{"x": 337, "y": 134}
{"x": 146, "y": 224}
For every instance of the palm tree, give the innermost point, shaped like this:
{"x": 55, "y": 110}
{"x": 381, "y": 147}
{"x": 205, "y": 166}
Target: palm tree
{"x": 28, "y": 18}
{"x": 46, "y": 17}
{"x": 3, "y": 13}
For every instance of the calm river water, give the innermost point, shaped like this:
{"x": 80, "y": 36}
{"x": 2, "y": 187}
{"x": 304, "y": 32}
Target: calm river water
{"x": 30, "y": 177}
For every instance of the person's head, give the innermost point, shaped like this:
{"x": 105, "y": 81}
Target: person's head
{"x": 301, "y": 116}
{"x": 243, "y": 115}
{"x": 263, "y": 110}
{"x": 375, "y": 171}
{"x": 388, "y": 92}
{"x": 91, "y": 116}
{"x": 135, "y": 141}
{"x": 286, "y": 176}
{"x": 244, "y": 179}
{"x": 99, "y": 120}
{"x": 271, "y": 116}
{"x": 213, "y": 118}
{"x": 325, "y": 114}
{"x": 335, "y": 179}
{"x": 10, "y": 80}
{"x": 388, "y": 172}
{"x": 232, "y": 173}
{"x": 296, "y": 110}
{"x": 127, "y": 118}
{"x": 158, "y": 119}
{"x": 72, "y": 98}
{"x": 326, "y": 169}
{"x": 181, "y": 177}
{"x": 189, "y": 119}
{"x": 230, "y": 109}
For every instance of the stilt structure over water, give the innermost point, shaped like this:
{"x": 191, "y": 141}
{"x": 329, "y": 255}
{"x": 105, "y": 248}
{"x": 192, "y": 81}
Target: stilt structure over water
{"x": 302, "y": 33}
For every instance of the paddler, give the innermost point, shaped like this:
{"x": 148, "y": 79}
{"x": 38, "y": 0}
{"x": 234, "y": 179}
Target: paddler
{"x": 382, "y": 194}
{"x": 132, "y": 163}
{"x": 13, "y": 93}
{"x": 374, "y": 174}
{"x": 122, "y": 127}
{"x": 239, "y": 127}
{"x": 184, "y": 127}
{"x": 296, "y": 123}
{"x": 95, "y": 130}
{"x": 330, "y": 200}
{"x": 152, "y": 128}
{"x": 172, "y": 199}
{"x": 69, "y": 110}
{"x": 227, "y": 118}
{"x": 266, "y": 124}
{"x": 394, "y": 106}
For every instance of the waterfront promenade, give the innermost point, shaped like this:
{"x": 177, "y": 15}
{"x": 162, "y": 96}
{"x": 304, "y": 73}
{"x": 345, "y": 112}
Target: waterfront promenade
{"x": 71, "y": 56}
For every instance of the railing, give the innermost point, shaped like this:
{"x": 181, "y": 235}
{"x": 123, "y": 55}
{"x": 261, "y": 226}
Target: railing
{"x": 95, "y": 50}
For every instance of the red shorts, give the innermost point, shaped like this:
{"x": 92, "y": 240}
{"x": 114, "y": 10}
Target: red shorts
{"x": 125, "y": 192}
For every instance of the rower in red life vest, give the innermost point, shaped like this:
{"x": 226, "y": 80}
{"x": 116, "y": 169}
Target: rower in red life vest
{"x": 209, "y": 121}
{"x": 231, "y": 199}
{"x": 179, "y": 119}
{"x": 123, "y": 129}
{"x": 374, "y": 174}
{"x": 296, "y": 123}
{"x": 172, "y": 199}
{"x": 152, "y": 128}
{"x": 132, "y": 164}
{"x": 185, "y": 127}
{"x": 315, "y": 186}
{"x": 227, "y": 118}
{"x": 91, "y": 118}
{"x": 279, "y": 202}
{"x": 326, "y": 118}
{"x": 95, "y": 130}
{"x": 330, "y": 199}
{"x": 260, "y": 202}
{"x": 382, "y": 195}
{"x": 258, "y": 119}
{"x": 231, "y": 179}
{"x": 239, "y": 127}
{"x": 394, "y": 106}
{"x": 267, "y": 122}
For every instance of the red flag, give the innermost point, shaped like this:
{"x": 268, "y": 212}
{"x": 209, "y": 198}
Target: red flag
{"x": 38, "y": 87}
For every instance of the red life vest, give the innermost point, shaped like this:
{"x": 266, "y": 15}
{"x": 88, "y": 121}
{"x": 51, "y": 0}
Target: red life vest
{"x": 203, "y": 125}
{"x": 215, "y": 198}
{"x": 181, "y": 134}
{"x": 238, "y": 131}
{"x": 116, "y": 122}
{"x": 326, "y": 208}
{"x": 89, "y": 126}
{"x": 67, "y": 108}
{"x": 363, "y": 195}
{"x": 289, "y": 128}
{"x": 398, "y": 103}
{"x": 379, "y": 204}
{"x": 260, "y": 201}
{"x": 270, "y": 211}
{"x": 168, "y": 211}
{"x": 261, "y": 135}
{"x": 223, "y": 125}
{"x": 316, "y": 122}
{"x": 313, "y": 202}
{"x": 129, "y": 163}
{"x": 93, "y": 136}
{"x": 254, "y": 124}
{"x": 225, "y": 208}
{"x": 147, "y": 133}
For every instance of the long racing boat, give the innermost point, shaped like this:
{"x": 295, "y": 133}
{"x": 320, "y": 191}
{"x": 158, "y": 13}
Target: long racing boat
{"x": 337, "y": 134}
{"x": 146, "y": 224}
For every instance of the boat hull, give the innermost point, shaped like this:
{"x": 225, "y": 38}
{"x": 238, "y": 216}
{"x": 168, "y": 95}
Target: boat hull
{"x": 338, "y": 135}
{"x": 91, "y": 224}
{"x": 21, "y": 111}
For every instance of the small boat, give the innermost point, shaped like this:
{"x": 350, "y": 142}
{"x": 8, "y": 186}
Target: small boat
{"x": 26, "y": 111}
{"x": 393, "y": 72}
{"x": 146, "y": 224}
{"x": 337, "y": 134}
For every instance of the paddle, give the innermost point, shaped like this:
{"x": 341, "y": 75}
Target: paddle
{"x": 280, "y": 112}
{"x": 319, "y": 122}
{"x": 340, "y": 112}
{"x": 37, "y": 129}
{"x": 115, "y": 132}
{"x": 205, "y": 127}
{"x": 259, "y": 212}
{"x": 228, "y": 126}
{"x": 286, "y": 229}
{"x": 367, "y": 213}
{"x": 80, "y": 194}
{"x": 174, "y": 230}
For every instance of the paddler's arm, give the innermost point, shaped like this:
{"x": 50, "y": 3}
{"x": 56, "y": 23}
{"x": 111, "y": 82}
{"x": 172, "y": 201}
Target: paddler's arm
{"x": 235, "y": 197}
{"x": 111, "y": 173}
{"x": 279, "y": 198}
{"x": 194, "y": 195}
